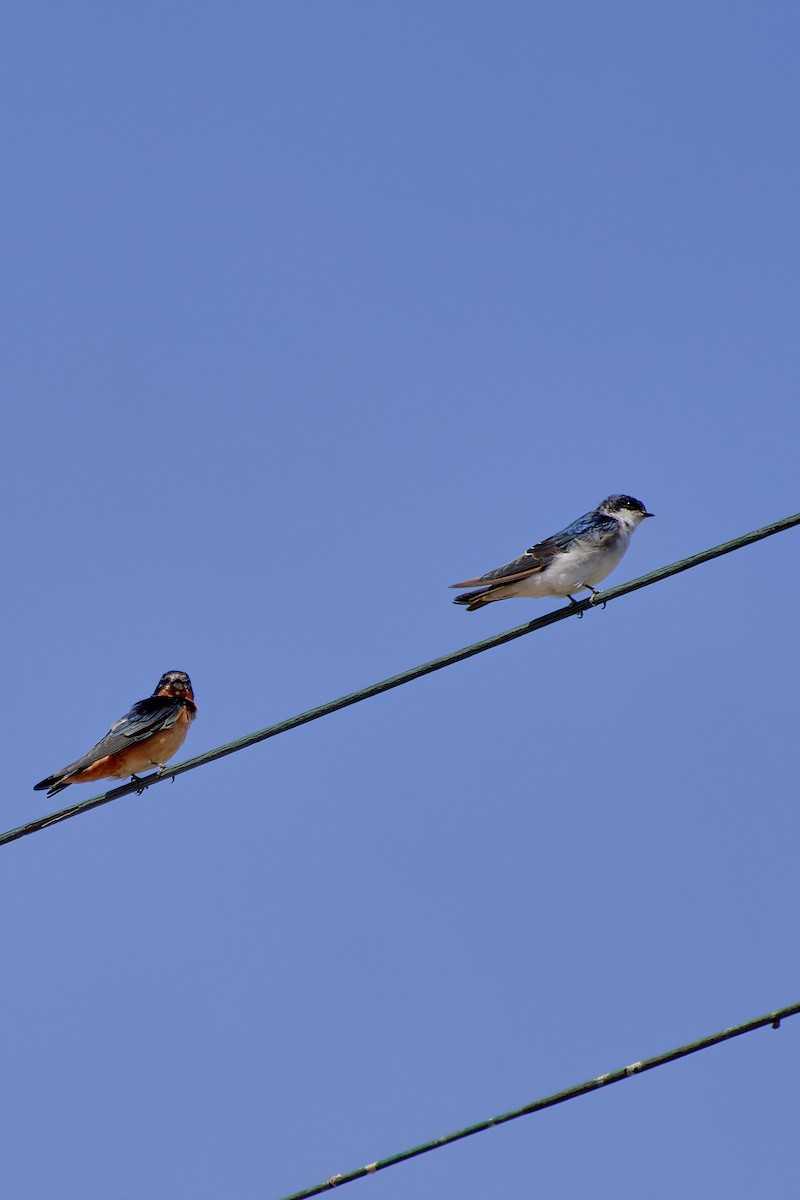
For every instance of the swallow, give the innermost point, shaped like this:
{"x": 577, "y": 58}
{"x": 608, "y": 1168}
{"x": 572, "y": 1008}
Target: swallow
{"x": 576, "y": 558}
{"x": 147, "y": 736}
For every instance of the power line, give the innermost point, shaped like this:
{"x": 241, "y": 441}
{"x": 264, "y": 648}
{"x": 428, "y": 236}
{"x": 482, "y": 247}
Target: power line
{"x": 386, "y": 685}
{"x": 591, "y": 1085}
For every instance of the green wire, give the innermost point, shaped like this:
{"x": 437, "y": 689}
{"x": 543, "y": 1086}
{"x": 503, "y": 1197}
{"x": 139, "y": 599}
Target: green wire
{"x": 591, "y": 1085}
{"x": 386, "y": 685}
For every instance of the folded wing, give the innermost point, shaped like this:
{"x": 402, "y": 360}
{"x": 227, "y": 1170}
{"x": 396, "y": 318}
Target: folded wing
{"x": 147, "y": 717}
{"x": 592, "y": 526}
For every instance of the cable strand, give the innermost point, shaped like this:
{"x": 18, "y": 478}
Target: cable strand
{"x": 581, "y": 1089}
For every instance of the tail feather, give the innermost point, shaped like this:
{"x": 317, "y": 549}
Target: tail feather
{"x": 54, "y": 784}
{"x": 476, "y": 599}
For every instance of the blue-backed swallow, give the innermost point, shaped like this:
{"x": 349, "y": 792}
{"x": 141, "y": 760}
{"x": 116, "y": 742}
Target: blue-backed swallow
{"x": 147, "y": 736}
{"x": 576, "y": 558}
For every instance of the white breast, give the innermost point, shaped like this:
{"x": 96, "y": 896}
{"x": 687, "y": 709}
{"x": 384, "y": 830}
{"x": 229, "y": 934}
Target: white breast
{"x": 567, "y": 573}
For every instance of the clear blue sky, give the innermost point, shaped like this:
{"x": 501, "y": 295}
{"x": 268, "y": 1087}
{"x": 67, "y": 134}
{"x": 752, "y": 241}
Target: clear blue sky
{"x": 310, "y": 310}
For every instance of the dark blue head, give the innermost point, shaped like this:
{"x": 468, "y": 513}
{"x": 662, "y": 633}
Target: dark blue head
{"x": 626, "y": 508}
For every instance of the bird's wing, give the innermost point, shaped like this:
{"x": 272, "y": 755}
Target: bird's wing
{"x": 520, "y": 568}
{"x": 591, "y": 525}
{"x": 144, "y": 719}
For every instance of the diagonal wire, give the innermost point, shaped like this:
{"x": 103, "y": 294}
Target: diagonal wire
{"x": 581, "y": 1089}
{"x": 386, "y": 685}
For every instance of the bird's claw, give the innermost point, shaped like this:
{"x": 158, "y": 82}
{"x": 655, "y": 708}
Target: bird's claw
{"x": 574, "y": 604}
{"x": 594, "y": 595}
{"x": 160, "y": 769}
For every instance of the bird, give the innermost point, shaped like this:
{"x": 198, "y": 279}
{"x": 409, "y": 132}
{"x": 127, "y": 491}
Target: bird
{"x": 570, "y": 561}
{"x": 147, "y": 736}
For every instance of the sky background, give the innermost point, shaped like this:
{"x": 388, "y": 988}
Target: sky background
{"x": 311, "y": 309}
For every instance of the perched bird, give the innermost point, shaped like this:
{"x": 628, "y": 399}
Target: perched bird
{"x": 147, "y": 736}
{"x": 578, "y": 557}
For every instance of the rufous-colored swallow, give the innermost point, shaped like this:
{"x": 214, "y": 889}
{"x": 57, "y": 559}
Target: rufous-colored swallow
{"x": 147, "y": 736}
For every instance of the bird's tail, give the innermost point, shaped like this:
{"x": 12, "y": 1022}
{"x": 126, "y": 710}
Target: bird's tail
{"x": 475, "y": 599}
{"x": 53, "y": 783}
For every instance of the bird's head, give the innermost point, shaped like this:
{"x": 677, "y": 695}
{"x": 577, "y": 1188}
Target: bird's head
{"x": 627, "y": 509}
{"x": 176, "y": 684}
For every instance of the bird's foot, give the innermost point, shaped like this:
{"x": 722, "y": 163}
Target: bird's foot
{"x": 595, "y": 594}
{"x": 161, "y": 768}
{"x": 574, "y": 604}
{"x": 137, "y": 779}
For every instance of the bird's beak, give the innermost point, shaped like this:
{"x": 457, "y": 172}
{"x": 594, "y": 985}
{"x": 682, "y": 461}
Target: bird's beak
{"x": 648, "y": 514}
